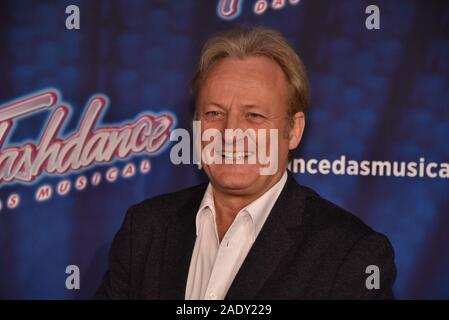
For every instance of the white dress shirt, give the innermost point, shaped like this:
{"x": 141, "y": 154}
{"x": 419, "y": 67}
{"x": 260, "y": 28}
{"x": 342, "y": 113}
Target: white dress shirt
{"x": 214, "y": 265}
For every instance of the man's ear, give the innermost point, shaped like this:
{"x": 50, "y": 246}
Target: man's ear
{"x": 296, "y": 131}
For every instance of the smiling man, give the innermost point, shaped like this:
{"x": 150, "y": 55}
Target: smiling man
{"x": 248, "y": 235}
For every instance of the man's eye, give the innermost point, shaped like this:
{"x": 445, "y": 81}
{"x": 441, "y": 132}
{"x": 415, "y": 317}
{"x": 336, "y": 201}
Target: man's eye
{"x": 213, "y": 114}
{"x": 255, "y": 116}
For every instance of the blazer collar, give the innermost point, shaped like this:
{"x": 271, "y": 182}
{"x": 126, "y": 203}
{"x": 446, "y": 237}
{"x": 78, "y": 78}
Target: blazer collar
{"x": 177, "y": 253}
{"x": 271, "y": 245}
{"x": 278, "y": 234}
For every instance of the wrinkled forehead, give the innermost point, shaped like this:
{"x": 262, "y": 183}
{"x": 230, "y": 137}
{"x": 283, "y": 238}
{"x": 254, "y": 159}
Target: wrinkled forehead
{"x": 250, "y": 81}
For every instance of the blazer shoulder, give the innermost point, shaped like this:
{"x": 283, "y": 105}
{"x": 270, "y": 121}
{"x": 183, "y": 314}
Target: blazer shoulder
{"x": 162, "y": 207}
{"x": 323, "y": 216}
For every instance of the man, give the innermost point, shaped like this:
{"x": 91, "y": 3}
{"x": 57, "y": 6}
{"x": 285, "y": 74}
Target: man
{"x": 248, "y": 235}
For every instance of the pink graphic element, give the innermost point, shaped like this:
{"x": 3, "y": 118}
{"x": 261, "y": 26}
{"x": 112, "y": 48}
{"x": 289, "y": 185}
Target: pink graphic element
{"x": 87, "y": 146}
{"x": 278, "y": 4}
{"x": 260, "y": 6}
{"x": 229, "y": 9}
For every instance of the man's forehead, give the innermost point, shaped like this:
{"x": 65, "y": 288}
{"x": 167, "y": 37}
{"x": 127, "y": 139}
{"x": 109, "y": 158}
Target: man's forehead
{"x": 240, "y": 82}
{"x": 250, "y": 68}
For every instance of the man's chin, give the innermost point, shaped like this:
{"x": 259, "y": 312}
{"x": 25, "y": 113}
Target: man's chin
{"x": 234, "y": 179}
{"x": 236, "y": 188}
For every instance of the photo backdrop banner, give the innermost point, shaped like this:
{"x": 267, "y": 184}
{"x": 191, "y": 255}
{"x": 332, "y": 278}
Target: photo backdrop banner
{"x": 79, "y": 80}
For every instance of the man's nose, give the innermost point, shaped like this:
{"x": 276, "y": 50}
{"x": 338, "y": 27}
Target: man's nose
{"x": 233, "y": 122}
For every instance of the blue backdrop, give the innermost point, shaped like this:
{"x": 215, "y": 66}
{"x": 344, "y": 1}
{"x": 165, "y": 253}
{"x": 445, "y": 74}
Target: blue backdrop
{"x": 376, "y": 95}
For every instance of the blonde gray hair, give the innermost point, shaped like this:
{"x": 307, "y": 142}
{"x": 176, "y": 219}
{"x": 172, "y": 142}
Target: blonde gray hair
{"x": 259, "y": 41}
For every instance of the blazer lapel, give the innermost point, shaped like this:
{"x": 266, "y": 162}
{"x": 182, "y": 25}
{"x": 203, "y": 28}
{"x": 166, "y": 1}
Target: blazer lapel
{"x": 272, "y": 244}
{"x": 181, "y": 235}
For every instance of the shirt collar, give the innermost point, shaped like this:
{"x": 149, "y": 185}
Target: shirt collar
{"x": 206, "y": 203}
{"x": 259, "y": 209}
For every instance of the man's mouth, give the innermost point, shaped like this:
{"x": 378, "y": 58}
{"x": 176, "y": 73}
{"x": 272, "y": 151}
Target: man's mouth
{"x": 235, "y": 155}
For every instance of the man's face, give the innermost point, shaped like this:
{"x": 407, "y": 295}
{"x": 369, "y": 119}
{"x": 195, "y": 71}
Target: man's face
{"x": 251, "y": 93}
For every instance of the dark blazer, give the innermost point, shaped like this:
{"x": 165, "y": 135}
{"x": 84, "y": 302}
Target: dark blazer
{"x": 308, "y": 248}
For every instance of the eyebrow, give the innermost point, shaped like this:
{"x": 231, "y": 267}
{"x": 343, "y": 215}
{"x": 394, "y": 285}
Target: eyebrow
{"x": 250, "y": 106}
{"x": 246, "y": 106}
{"x": 214, "y": 104}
